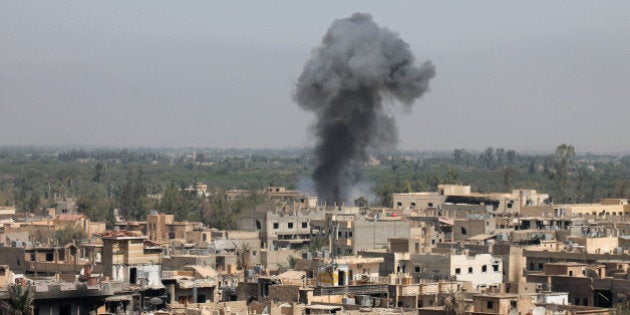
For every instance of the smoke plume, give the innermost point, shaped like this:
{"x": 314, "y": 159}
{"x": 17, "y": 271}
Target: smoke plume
{"x": 343, "y": 83}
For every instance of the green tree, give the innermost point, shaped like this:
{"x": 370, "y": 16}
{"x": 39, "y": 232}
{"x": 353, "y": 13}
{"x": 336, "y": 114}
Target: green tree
{"x": 384, "y": 195}
{"x": 69, "y": 235}
{"x": 559, "y": 168}
{"x": 361, "y": 202}
{"x": 20, "y": 301}
{"x": 99, "y": 169}
{"x": 291, "y": 261}
{"x": 451, "y": 177}
{"x": 173, "y": 202}
{"x": 487, "y": 158}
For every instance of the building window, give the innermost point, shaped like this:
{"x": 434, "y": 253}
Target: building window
{"x": 276, "y": 225}
{"x": 430, "y": 205}
{"x": 304, "y": 225}
{"x": 464, "y": 232}
{"x": 417, "y": 269}
{"x": 350, "y": 234}
{"x": 413, "y": 205}
{"x": 470, "y": 270}
{"x": 290, "y": 225}
{"x": 540, "y": 266}
{"x": 495, "y": 268}
{"x": 489, "y": 305}
{"x": 399, "y": 204}
{"x": 484, "y": 268}
{"x": 458, "y": 271}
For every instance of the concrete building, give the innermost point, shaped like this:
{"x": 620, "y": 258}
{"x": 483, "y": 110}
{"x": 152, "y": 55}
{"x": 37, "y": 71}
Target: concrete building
{"x": 131, "y": 258}
{"x": 427, "y": 200}
{"x": 6, "y": 215}
{"x": 498, "y": 303}
{"x": 156, "y": 226}
{"x": 284, "y": 228}
{"x": 481, "y": 270}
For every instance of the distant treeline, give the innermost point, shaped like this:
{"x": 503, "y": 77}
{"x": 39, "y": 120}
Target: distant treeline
{"x": 32, "y": 179}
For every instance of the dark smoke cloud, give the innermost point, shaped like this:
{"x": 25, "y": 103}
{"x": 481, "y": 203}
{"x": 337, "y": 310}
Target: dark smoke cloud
{"x": 343, "y": 83}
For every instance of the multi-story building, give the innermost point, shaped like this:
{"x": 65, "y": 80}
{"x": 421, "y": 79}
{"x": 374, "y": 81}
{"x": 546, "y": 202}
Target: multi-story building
{"x": 131, "y": 258}
{"x": 481, "y": 270}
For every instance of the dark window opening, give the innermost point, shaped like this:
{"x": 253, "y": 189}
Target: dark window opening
{"x": 458, "y": 271}
{"x": 490, "y": 305}
{"x": 304, "y": 225}
{"x": 495, "y": 268}
{"x": 290, "y": 225}
{"x": 470, "y": 270}
{"x": 484, "y": 268}
{"x": 65, "y": 310}
{"x": 50, "y": 257}
{"x": 276, "y": 225}
{"x": 464, "y": 232}
{"x": 133, "y": 274}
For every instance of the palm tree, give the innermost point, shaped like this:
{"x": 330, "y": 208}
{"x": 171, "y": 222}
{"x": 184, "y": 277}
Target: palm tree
{"x": 454, "y": 303}
{"x": 20, "y": 301}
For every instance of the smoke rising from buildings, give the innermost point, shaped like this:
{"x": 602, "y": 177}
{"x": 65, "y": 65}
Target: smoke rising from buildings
{"x": 344, "y": 82}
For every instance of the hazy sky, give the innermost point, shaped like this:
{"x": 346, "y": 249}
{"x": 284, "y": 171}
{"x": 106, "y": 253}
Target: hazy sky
{"x": 524, "y": 75}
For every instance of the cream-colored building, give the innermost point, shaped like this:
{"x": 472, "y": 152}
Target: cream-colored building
{"x": 156, "y": 226}
{"x": 427, "y": 200}
{"x": 606, "y": 208}
{"x": 131, "y": 258}
{"x": 6, "y": 215}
